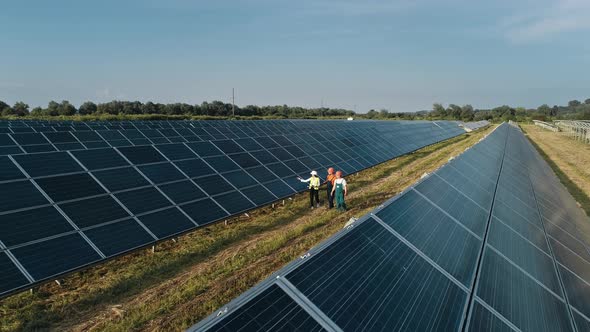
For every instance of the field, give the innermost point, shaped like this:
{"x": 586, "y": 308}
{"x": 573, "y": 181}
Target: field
{"x": 184, "y": 281}
{"x": 568, "y": 158}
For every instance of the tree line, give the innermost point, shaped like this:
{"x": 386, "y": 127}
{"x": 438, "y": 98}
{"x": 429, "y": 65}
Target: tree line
{"x": 574, "y": 110}
{"x": 214, "y": 109}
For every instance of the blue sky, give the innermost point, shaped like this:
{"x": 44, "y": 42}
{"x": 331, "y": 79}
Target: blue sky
{"x": 398, "y": 55}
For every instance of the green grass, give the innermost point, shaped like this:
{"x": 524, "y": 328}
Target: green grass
{"x": 577, "y": 193}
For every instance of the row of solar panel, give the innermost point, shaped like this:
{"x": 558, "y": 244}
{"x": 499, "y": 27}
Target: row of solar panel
{"x": 490, "y": 242}
{"x": 108, "y": 201}
{"x": 14, "y": 126}
{"x": 53, "y": 141}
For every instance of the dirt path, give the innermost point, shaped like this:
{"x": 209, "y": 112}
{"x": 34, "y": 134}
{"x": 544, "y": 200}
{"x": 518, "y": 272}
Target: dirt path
{"x": 569, "y": 159}
{"x": 184, "y": 282}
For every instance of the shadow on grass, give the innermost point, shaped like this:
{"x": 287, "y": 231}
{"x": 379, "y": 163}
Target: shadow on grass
{"x": 578, "y": 194}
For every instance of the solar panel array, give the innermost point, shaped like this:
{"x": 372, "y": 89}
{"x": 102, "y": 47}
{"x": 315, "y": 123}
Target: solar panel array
{"x": 470, "y": 126}
{"x": 489, "y": 242}
{"x": 104, "y": 189}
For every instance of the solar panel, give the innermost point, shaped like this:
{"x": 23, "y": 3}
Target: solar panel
{"x": 471, "y": 247}
{"x": 110, "y": 182}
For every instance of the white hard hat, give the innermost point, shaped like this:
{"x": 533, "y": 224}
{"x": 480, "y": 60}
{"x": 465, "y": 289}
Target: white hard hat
{"x": 314, "y": 173}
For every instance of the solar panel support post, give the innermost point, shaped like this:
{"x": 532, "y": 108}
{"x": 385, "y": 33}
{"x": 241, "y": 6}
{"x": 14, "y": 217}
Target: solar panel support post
{"x": 58, "y": 282}
{"x": 153, "y": 249}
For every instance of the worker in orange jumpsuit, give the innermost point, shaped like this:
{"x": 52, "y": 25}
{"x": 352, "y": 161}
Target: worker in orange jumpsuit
{"x": 330, "y": 178}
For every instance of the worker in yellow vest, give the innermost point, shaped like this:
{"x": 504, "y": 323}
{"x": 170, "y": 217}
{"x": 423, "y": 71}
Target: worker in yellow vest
{"x": 314, "y": 188}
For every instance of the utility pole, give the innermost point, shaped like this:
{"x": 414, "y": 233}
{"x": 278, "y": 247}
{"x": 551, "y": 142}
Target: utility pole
{"x": 233, "y": 101}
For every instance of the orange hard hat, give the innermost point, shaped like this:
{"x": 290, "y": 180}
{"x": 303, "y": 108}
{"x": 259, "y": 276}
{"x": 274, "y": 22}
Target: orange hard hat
{"x": 339, "y": 173}
{"x": 330, "y": 170}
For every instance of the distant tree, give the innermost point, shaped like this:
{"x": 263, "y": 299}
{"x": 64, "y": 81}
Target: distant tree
{"x": 65, "y": 108}
{"x": 372, "y": 114}
{"x": 20, "y": 109}
{"x": 37, "y": 111}
{"x": 87, "y": 108}
{"x": 383, "y": 113}
{"x": 438, "y": 110}
{"x": 587, "y": 101}
{"x": 574, "y": 103}
{"x": 52, "y": 108}
{"x": 4, "y": 108}
{"x": 467, "y": 113}
{"x": 544, "y": 109}
{"x": 454, "y": 111}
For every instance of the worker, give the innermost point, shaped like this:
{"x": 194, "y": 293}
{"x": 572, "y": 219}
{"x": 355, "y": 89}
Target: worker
{"x": 330, "y": 178}
{"x": 339, "y": 191}
{"x": 314, "y": 188}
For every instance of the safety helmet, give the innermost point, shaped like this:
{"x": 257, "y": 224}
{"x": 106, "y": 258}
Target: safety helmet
{"x": 314, "y": 173}
{"x": 331, "y": 170}
{"x": 339, "y": 173}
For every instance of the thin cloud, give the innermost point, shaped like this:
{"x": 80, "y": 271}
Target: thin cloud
{"x": 561, "y": 16}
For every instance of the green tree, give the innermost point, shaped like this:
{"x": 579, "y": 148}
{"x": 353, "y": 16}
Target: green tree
{"x": 37, "y": 111}
{"x": 87, "y": 108}
{"x": 587, "y": 101}
{"x": 574, "y": 103}
{"x": 544, "y": 109}
{"x": 20, "y": 109}
{"x": 52, "y": 108}
{"x": 467, "y": 113}
{"x": 65, "y": 108}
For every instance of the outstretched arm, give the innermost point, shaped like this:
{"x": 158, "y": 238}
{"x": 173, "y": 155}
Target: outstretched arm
{"x": 304, "y": 180}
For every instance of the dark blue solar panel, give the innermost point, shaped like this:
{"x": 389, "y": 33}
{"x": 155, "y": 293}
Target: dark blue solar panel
{"x": 213, "y": 184}
{"x": 204, "y": 149}
{"x": 234, "y": 202}
{"x": 271, "y": 310}
{"x": 119, "y": 237}
{"x": 143, "y": 200}
{"x": 11, "y": 277}
{"x": 38, "y": 148}
{"x": 166, "y": 222}
{"x": 435, "y": 234}
{"x": 240, "y": 179}
{"x": 67, "y": 187}
{"x": 94, "y": 211}
{"x": 194, "y": 167}
{"x": 506, "y": 288}
{"x": 279, "y": 188}
{"x": 371, "y": 261}
{"x": 259, "y": 195}
{"x": 48, "y": 163}
{"x": 228, "y": 146}
{"x": 29, "y": 138}
{"x": 204, "y": 211}
{"x": 52, "y": 257}
{"x": 221, "y": 164}
{"x": 160, "y": 173}
{"x": 120, "y": 178}
{"x": 9, "y": 171}
{"x": 183, "y": 191}
{"x": 261, "y": 174}
{"x": 20, "y": 194}
{"x": 29, "y": 225}
{"x": 100, "y": 158}
{"x": 142, "y": 154}
{"x": 61, "y": 137}
{"x": 483, "y": 320}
